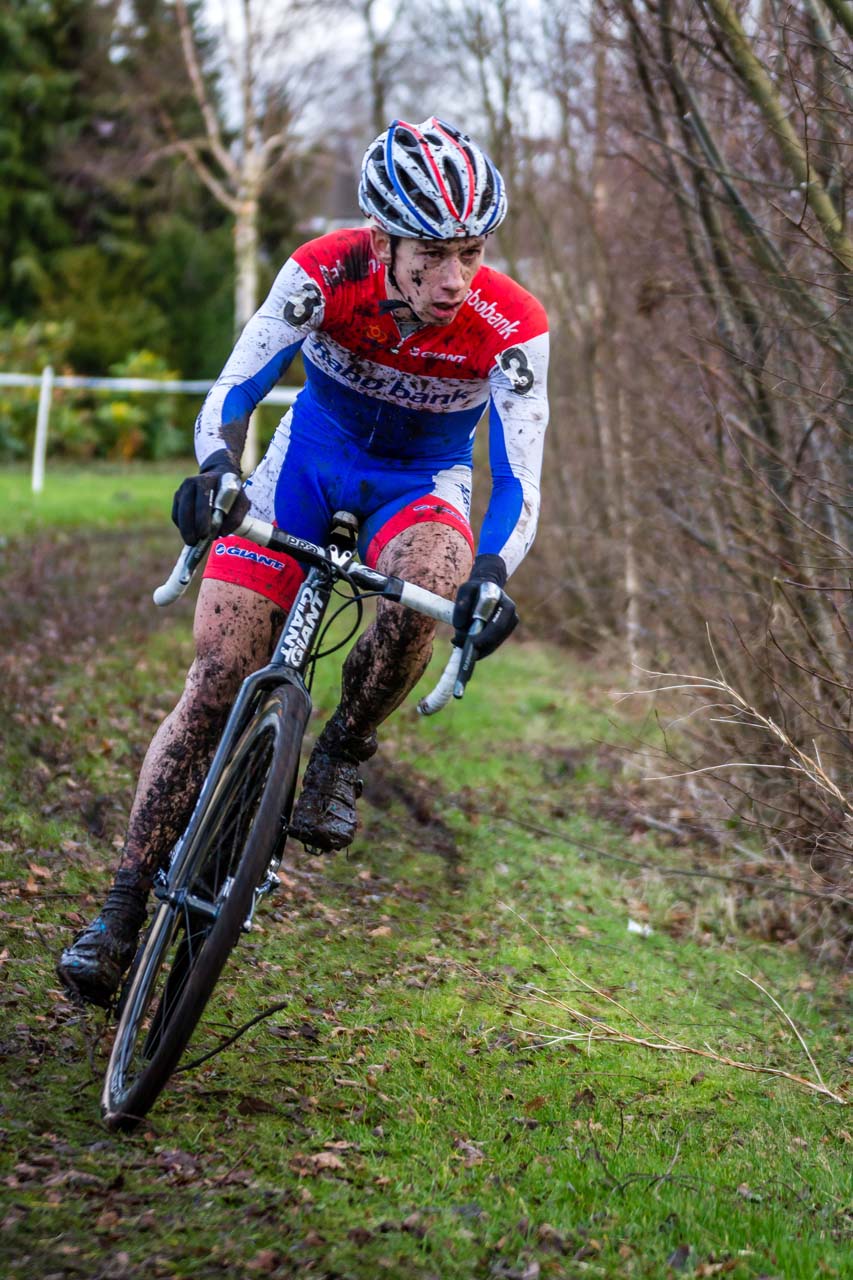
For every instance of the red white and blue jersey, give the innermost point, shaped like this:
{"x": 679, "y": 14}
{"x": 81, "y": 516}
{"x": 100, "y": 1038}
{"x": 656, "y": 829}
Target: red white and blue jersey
{"x": 416, "y": 399}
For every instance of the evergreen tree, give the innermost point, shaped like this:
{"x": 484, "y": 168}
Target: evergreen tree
{"x": 40, "y": 106}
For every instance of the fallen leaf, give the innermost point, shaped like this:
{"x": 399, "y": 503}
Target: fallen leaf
{"x": 251, "y": 1106}
{"x": 679, "y": 1257}
{"x": 312, "y": 1165}
{"x": 551, "y": 1237}
{"x": 471, "y": 1154}
{"x": 263, "y": 1262}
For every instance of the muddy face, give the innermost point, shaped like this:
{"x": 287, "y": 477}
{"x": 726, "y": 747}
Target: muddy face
{"x": 432, "y": 276}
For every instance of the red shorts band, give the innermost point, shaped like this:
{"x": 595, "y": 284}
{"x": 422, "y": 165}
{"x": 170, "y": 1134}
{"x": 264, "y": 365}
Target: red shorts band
{"x": 426, "y": 510}
{"x": 274, "y": 576}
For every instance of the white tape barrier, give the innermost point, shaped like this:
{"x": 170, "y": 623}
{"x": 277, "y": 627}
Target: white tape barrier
{"x": 278, "y": 395}
{"x": 46, "y": 381}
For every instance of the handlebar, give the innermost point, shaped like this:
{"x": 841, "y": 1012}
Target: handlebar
{"x": 461, "y": 663}
{"x": 190, "y": 558}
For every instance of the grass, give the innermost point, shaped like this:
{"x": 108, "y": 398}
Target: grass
{"x": 402, "y": 1115}
{"x": 406, "y": 1113}
{"x": 100, "y": 495}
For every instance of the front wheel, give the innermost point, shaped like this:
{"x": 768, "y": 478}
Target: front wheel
{"x": 208, "y": 898}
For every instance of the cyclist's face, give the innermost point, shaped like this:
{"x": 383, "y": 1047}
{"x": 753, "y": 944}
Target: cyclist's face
{"x": 433, "y": 276}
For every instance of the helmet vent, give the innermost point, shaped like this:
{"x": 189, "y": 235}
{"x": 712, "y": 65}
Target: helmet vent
{"x": 430, "y": 181}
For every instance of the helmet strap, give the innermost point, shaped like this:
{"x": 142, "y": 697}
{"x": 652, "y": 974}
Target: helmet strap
{"x": 402, "y": 304}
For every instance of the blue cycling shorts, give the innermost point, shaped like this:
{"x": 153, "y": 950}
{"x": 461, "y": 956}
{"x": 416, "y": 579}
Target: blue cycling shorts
{"x": 314, "y": 468}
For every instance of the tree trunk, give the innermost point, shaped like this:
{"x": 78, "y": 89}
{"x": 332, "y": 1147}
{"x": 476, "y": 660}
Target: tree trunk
{"x": 246, "y": 294}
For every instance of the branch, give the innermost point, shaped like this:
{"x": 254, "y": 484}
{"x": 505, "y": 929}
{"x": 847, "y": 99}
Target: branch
{"x": 189, "y": 148}
{"x": 764, "y": 251}
{"x": 592, "y": 1027}
{"x": 842, "y": 11}
{"x": 211, "y": 124}
{"x": 764, "y": 95}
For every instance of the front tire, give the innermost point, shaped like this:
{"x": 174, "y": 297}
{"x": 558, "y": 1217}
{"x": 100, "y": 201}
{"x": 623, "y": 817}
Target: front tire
{"x": 195, "y": 928}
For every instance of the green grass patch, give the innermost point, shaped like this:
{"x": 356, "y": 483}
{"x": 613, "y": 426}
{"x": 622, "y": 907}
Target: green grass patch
{"x": 99, "y": 495}
{"x": 406, "y": 1112}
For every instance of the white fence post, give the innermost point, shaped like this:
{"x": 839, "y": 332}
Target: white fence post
{"x": 46, "y": 382}
{"x": 40, "y": 446}
{"x": 250, "y": 451}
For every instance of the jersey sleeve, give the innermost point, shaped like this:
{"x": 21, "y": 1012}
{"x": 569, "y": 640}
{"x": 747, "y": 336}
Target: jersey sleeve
{"x": 294, "y": 308}
{"x": 518, "y": 417}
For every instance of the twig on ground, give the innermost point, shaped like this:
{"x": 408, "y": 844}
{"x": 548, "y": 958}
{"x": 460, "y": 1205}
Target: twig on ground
{"x": 592, "y": 1028}
{"x": 770, "y": 883}
{"x": 247, "y": 1026}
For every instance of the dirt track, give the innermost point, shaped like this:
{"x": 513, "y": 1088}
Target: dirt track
{"x": 73, "y": 595}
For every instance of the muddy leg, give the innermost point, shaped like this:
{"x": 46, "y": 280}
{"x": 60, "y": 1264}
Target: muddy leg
{"x": 392, "y": 655}
{"x": 234, "y": 632}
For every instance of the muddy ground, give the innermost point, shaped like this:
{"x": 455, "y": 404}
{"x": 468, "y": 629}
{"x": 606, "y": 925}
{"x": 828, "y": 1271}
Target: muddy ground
{"x": 83, "y": 596}
{"x": 69, "y": 597}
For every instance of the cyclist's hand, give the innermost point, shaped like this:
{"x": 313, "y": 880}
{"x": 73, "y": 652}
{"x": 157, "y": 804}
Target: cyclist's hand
{"x": 503, "y": 621}
{"x": 192, "y": 505}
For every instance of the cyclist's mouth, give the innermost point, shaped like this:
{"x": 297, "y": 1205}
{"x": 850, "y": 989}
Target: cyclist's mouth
{"x": 446, "y": 310}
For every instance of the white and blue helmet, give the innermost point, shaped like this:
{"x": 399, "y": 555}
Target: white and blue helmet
{"x": 431, "y": 182}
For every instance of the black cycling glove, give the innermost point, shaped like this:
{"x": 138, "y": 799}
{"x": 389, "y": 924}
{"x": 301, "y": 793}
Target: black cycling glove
{"x": 192, "y": 505}
{"x": 503, "y": 621}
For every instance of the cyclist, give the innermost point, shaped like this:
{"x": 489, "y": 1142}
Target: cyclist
{"x": 406, "y": 337}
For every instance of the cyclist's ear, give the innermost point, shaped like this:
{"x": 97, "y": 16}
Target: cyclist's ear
{"x": 380, "y": 243}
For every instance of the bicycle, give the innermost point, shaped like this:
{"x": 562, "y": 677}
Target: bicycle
{"x": 227, "y": 859}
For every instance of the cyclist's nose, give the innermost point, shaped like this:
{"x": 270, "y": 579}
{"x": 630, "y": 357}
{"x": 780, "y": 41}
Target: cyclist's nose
{"x": 452, "y": 275}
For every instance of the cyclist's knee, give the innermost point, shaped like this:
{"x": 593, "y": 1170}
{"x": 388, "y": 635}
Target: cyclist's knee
{"x": 434, "y": 556}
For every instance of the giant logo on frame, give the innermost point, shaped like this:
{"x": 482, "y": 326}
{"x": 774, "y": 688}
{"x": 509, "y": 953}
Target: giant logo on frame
{"x": 306, "y": 614}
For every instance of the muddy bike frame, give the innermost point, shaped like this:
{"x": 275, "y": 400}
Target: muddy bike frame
{"x": 294, "y": 650}
{"x": 272, "y": 705}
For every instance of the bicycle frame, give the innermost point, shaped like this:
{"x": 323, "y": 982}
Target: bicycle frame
{"x": 295, "y": 646}
{"x": 265, "y": 703}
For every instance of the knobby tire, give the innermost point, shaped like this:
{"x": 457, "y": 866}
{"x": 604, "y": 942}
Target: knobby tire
{"x": 184, "y": 950}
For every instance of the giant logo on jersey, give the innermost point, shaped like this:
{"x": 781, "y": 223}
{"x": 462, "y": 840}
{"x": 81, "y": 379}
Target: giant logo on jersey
{"x": 243, "y": 553}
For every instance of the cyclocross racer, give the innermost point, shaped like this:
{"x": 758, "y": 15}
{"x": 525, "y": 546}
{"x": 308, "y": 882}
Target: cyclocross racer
{"x": 405, "y": 338}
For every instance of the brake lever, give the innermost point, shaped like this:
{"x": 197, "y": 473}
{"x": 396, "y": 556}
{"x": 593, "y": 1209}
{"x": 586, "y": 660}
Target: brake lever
{"x": 488, "y": 599}
{"x": 226, "y": 495}
{"x": 190, "y": 557}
